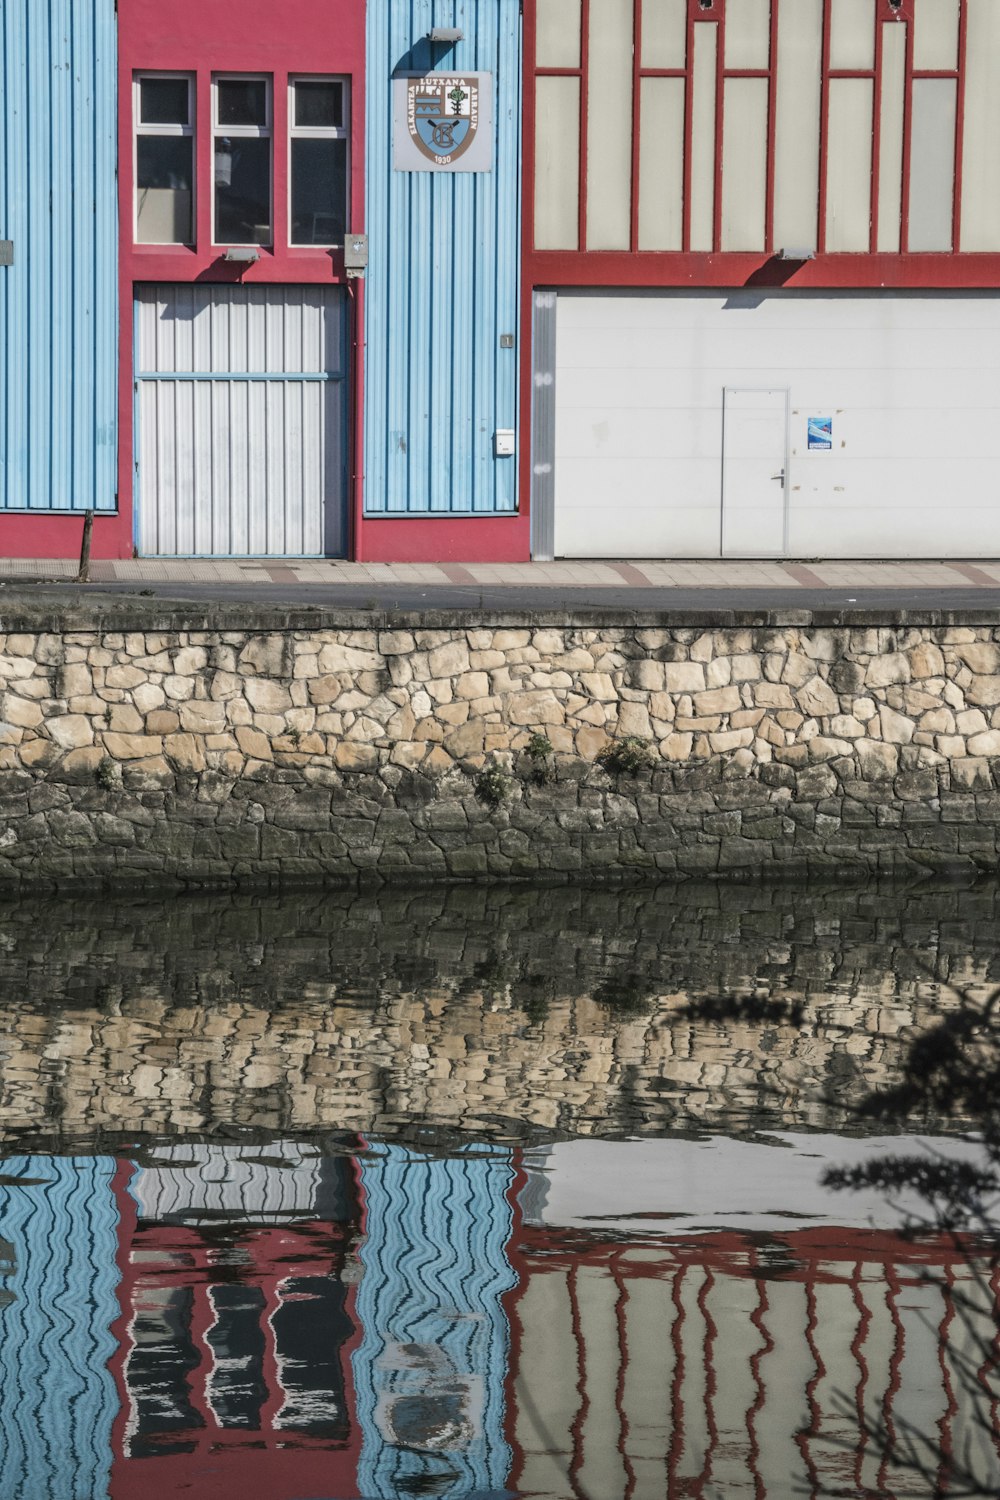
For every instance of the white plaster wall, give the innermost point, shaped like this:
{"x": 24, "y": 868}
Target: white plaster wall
{"x": 911, "y": 380}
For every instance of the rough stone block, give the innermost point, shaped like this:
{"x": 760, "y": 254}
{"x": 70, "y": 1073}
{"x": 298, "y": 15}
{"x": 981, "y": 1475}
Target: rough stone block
{"x": 355, "y": 757}
{"x": 982, "y": 658}
{"x": 683, "y": 677}
{"x": 926, "y": 660}
{"x": 71, "y": 731}
{"x": 132, "y": 747}
{"x": 896, "y": 729}
{"x": 817, "y": 697}
{"x": 203, "y": 717}
{"x": 877, "y": 761}
{"x": 984, "y": 691}
{"x": 718, "y": 701}
{"x": 21, "y": 712}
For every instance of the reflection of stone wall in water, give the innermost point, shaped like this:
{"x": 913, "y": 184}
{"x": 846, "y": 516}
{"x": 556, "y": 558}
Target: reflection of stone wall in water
{"x": 472, "y": 1010}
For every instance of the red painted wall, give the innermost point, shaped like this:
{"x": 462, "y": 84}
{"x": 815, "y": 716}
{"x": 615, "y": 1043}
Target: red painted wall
{"x": 217, "y": 36}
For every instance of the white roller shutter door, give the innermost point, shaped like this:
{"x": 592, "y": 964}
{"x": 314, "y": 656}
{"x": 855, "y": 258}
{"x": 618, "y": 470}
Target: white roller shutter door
{"x": 242, "y": 433}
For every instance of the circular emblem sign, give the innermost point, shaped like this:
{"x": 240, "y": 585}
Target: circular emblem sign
{"x": 442, "y": 114}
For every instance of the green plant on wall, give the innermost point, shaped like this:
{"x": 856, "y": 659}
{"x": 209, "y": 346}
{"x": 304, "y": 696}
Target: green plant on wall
{"x": 493, "y": 785}
{"x": 106, "y": 774}
{"x": 539, "y": 752}
{"x": 627, "y": 756}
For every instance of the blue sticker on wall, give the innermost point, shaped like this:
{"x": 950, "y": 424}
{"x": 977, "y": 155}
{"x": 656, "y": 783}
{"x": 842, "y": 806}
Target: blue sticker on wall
{"x": 820, "y": 432}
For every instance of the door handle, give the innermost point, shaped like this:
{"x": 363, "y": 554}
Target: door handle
{"x": 780, "y": 476}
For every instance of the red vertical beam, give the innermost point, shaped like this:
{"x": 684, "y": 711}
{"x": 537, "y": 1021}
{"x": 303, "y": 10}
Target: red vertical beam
{"x": 510, "y": 1301}
{"x": 720, "y": 122}
{"x": 676, "y": 1450}
{"x": 525, "y": 353}
{"x": 824, "y": 126}
{"x": 711, "y": 1381}
{"x": 280, "y": 234}
{"x": 356, "y": 421}
{"x": 205, "y": 162}
{"x": 772, "y": 128}
{"x": 876, "y": 136}
{"x": 577, "y": 1429}
{"x": 985, "y": 1375}
{"x": 858, "y": 1352}
{"x": 128, "y": 1214}
{"x": 202, "y": 1319}
{"x": 946, "y": 1423}
{"x": 904, "y": 228}
{"x": 805, "y": 1435}
{"x": 271, "y": 1286}
{"x": 688, "y": 133}
{"x": 584, "y": 106}
{"x": 892, "y": 1294}
{"x": 767, "y": 1345}
{"x": 963, "y": 52}
{"x": 621, "y": 1331}
{"x": 636, "y": 101}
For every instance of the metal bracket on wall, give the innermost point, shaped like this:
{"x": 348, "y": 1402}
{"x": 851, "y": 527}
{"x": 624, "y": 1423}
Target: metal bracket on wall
{"x": 6, "y": 252}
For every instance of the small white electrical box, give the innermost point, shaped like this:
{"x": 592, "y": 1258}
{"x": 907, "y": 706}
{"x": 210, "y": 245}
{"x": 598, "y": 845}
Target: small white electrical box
{"x": 355, "y": 255}
{"x": 503, "y": 442}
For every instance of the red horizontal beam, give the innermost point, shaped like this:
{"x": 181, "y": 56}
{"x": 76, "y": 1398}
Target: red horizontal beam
{"x": 564, "y": 268}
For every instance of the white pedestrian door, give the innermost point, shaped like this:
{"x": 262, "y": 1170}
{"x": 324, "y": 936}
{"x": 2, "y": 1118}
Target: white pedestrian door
{"x": 241, "y": 449}
{"x": 754, "y": 473}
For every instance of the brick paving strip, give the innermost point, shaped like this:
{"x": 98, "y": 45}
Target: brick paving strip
{"x": 586, "y": 573}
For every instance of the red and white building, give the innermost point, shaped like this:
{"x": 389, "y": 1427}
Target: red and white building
{"x": 720, "y": 278}
{"x": 762, "y": 252}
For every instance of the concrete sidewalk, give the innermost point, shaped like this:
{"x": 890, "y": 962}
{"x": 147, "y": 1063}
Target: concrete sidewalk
{"x": 807, "y": 577}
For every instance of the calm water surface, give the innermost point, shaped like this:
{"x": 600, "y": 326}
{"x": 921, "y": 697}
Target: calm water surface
{"x": 491, "y": 1193}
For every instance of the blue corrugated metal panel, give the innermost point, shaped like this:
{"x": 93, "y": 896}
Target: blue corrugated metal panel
{"x": 58, "y": 301}
{"x": 57, "y": 1396}
{"x": 442, "y": 277}
{"x": 429, "y": 1374}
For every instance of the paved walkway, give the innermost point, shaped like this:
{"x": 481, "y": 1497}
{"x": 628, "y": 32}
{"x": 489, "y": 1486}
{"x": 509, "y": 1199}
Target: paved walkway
{"x": 730, "y": 575}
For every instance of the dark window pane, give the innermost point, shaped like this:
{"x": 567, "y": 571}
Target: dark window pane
{"x": 319, "y": 103}
{"x": 164, "y": 101}
{"x": 319, "y": 191}
{"x": 164, "y": 179}
{"x": 242, "y": 190}
{"x": 242, "y": 101}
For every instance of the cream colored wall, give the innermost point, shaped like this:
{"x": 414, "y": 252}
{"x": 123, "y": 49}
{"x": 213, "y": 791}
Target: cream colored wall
{"x": 859, "y": 40}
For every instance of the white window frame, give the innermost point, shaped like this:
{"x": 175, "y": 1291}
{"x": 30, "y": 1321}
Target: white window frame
{"x": 263, "y": 132}
{"x": 320, "y": 133}
{"x": 187, "y": 131}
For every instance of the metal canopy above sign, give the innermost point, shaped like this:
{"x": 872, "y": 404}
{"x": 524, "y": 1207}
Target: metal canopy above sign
{"x": 443, "y": 122}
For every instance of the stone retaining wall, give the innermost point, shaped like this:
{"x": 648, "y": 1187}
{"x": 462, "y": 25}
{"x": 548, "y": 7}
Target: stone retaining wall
{"x": 468, "y": 747}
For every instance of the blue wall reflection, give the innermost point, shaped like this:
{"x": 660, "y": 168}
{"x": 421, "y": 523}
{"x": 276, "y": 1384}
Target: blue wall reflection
{"x": 429, "y": 1373}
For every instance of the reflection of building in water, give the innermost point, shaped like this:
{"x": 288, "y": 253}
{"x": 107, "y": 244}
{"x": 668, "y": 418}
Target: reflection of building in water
{"x": 748, "y": 1362}
{"x": 237, "y": 1323}
{"x": 647, "y": 1319}
{"x": 429, "y": 1372}
{"x": 58, "y": 1276}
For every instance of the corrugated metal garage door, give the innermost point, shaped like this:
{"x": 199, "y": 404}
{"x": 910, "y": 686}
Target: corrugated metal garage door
{"x": 242, "y": 439}
{"x": 900, "y": 392}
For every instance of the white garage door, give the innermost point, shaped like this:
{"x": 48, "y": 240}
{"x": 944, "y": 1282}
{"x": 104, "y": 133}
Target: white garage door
{"x": 242, "y": 423}
{"x": 777, "y": 424}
